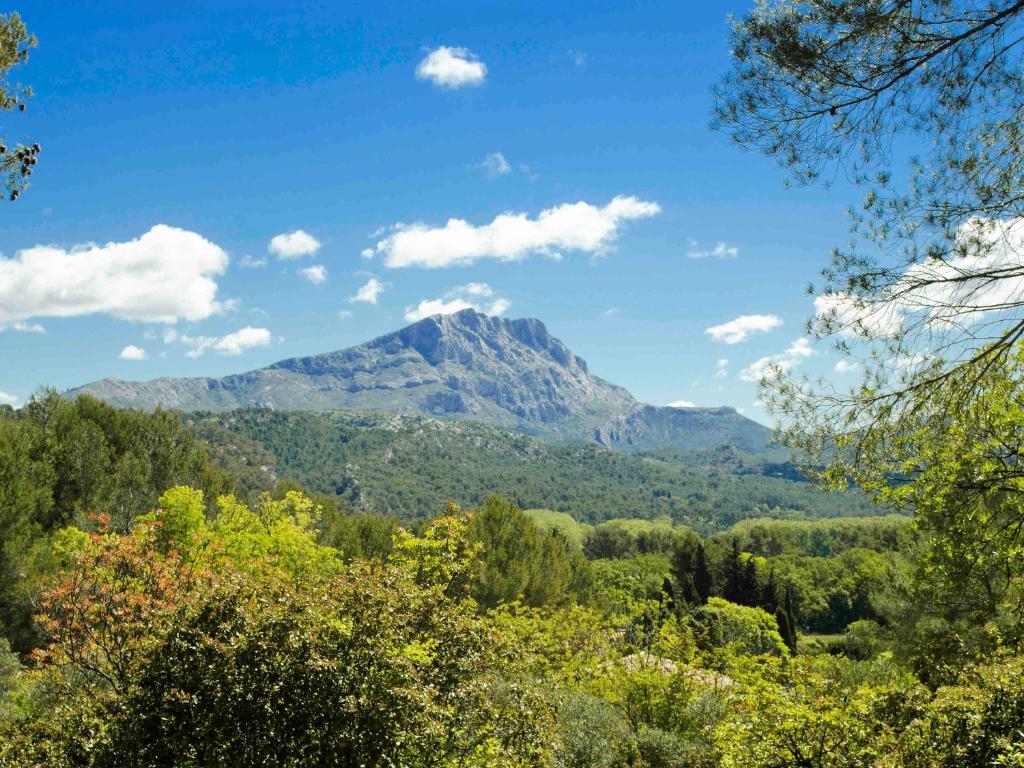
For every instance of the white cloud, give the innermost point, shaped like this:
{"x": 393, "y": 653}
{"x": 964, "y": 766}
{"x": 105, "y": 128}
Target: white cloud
{"x": 293, "y": 245}
{"x": 985, "y": 276}
{"x": 366, "y": 253}
{"x": 722, "y": 368}
{"x": 682, "y": 404}
{"x": 852, "y": 317}
{"x": 451, "y": 68}
{"x": 720, "y": 251}
{"x": 513, "y": 236}
{"x": 22, "y": 327}
{"x": 131, "y": 352}
{"x": 231, "y": 345}
{"x": 316, "y": 274}
{"x": 742, "y": 327}
{"x": 457, "y": 299}
{"x": 344, "y": 314}
{"x": 170, "y": 336}
{"x": 251, "y": 262}
{"x": 165, "y": 275}
{"x": 579, "y": 58}
{"x": 847, "y": 366}
{"x": 765, "y": 367}
{"x": 8, "y": 399}
{"x": 370, "y": 292}
{"x": 611, "y": 312}
{"x": 495, "y": 165}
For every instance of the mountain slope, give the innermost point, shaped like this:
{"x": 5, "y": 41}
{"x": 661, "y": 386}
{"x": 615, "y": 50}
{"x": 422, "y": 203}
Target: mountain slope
{"x": 466, "y": 366}
{"x": 409, "y": 465}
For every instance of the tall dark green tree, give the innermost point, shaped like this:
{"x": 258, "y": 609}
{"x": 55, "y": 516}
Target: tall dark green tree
{"x": 703, "y": 581}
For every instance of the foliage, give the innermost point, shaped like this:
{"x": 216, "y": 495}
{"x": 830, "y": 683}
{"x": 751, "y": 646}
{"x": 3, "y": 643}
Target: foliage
{"x": 218, "y": 644}
{"x": 409, "y": 466}
{"x": 62, "y": 460}
{"x": 16, "y": 164}
{"x": 819, "y": 712}
{"x": 721, "y": 624}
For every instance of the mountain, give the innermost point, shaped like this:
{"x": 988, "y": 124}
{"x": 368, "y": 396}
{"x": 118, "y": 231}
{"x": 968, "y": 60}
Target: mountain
{"x": 465, "y": 366}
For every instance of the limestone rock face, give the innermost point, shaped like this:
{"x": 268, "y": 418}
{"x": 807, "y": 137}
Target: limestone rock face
{"x": 467, "y": 366}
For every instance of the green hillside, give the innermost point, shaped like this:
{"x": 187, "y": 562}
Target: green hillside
{"x": 408, "y": 466}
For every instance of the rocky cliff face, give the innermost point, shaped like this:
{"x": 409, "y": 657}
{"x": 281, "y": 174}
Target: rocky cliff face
{"x": 465, "y": 366}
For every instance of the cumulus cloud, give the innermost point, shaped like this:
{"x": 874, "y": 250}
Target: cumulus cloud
{"x": 452, "y": 68}
{"x": 131, "y": 352}
{"x": 722, "y": 368}
{"x": 495, "y": 165}
{"x": 478, "y": 296}
{"x": 8, "y": 399}
{"x": 22, "y": 327}
{"x": 316, "y": 274}
{"x": 847, "y": 366}
{"x": 163, "y": 276}
{"x": 513, "y": 236}
{"x": 293, "y": 245}
{"x": 764, "y": 368}
{"x": 719, "y": 251}
{"x": 231, "y": 345}
{"x": 369, "y": 292}
{"x": 682, "y": 404}
{"x": 742, "y": 327}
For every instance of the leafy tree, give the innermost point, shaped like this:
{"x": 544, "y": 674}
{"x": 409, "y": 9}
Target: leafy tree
{"x": 817, "y": 712}
{"x": 219, "y": 642}
{"x": 721, "y": 624}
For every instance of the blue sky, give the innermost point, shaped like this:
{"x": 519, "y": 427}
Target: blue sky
{"x": 232, "y": 123}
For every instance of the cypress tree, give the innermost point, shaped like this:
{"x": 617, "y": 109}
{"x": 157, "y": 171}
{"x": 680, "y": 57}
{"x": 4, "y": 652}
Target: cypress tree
{"x": 702, "y": 582}
{"x": 786, "y": 629}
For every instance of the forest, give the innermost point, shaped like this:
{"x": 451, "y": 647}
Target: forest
{"x": 198, "y": 590}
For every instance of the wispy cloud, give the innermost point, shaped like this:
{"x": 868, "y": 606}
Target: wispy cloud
{"x": 316, "y": 274}
{"x": 765, "y": 367}
{"x": 478, "y": 296}
{"x": 251, "y": 262}
{"x": 452, "y": 68}
{"x": 293, "y": 245}
{"x": 740, "y": 329}
{"x": 22, "y": 327}
{"x": 513, "y": 236}
{"x": 8, "y": 399}
{"x": 719, "y": 251}
{"x": 722, "y": 368}
{"x": 369, "y": 292}
{"x": 494, "y": 165}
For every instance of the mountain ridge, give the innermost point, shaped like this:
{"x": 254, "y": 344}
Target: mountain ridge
{"x": 462, "y": 366}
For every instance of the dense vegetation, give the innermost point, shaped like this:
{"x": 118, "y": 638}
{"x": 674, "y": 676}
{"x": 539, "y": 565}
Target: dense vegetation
{"x": 197, "y": 611}
{"x": 167, "y": 624}
{"x": 407, "y": 466}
